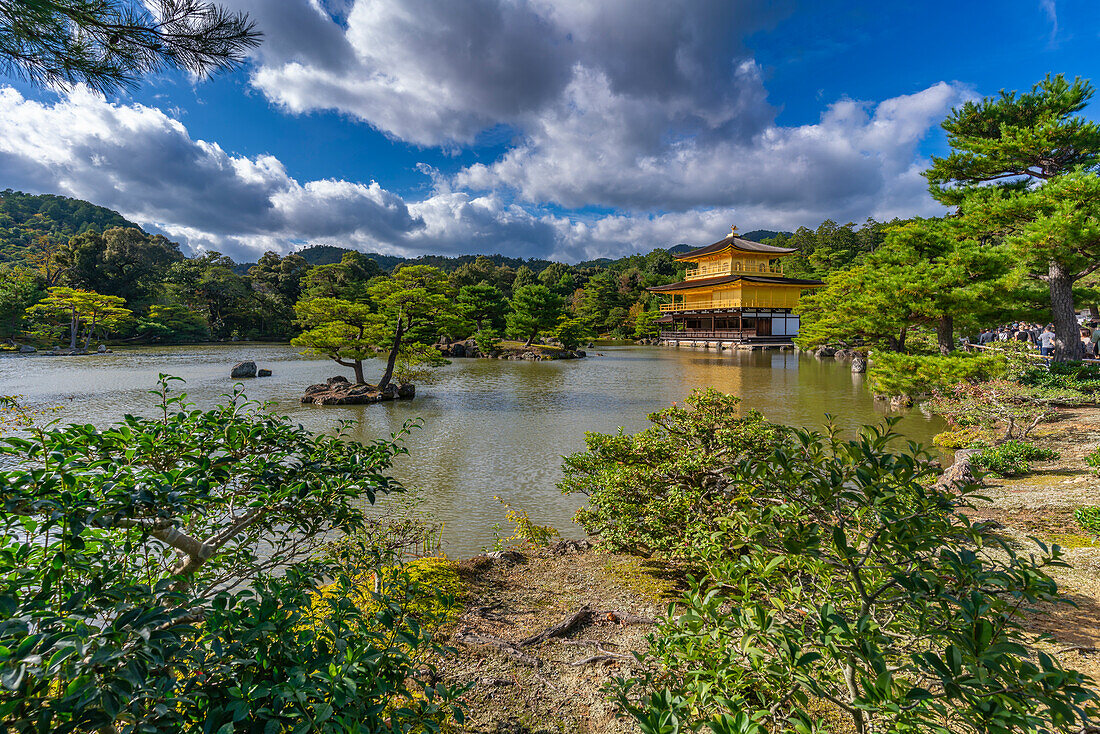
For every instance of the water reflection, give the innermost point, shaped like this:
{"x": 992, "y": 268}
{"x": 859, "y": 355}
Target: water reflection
{"x": 490, "y": 428}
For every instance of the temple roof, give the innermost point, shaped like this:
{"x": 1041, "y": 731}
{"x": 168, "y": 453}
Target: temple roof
{"x": 733, "y": 242}
{"x": 723, "y": 279}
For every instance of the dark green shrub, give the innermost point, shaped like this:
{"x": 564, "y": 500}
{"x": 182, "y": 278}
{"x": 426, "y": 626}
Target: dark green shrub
{"x": 1077, "y": 376}
{"x": 157, "y": 576}
{"x": 836, "y": 575}
{"x": 918, "y": 374}
{"x": 1011, "y": 458}
{"x": 662, "y": 490}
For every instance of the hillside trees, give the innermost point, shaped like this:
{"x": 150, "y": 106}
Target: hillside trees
{"x": 20, "y": 288}
{"x": 277, "y": 283}
{"x": 122, "y": 262}
{"x": 109, "y": 44}
{"x": 209, "y": 285}
{"x": 346, "y": 279}
{"x": 1022, "y": 168}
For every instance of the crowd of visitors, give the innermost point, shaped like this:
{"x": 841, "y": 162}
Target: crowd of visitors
{"x": 1042, "y": 337}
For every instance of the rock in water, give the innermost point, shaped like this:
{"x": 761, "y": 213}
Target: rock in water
{"x": 243, "y": 369}
{"x": 339, "y": 391}
{"x": 102, "y": 349}
{"x": 27, "y": 349}
{"x": 859, "y": 364}
{"x": 263, "y": 373}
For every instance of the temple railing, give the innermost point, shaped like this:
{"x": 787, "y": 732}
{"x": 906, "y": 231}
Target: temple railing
{"x": 714, "y": 272}
{"x": 700, "y": 305}
{"x": 711, "y": 334}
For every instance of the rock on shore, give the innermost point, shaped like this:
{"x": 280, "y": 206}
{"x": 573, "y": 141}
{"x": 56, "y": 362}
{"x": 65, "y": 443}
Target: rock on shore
{"x": 340, "y": 391}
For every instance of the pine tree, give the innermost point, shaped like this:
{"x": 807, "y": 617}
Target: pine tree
{"x": 1023, "y": 170}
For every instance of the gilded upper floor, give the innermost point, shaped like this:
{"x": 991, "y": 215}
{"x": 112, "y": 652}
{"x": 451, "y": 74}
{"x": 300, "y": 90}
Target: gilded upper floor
{"x": 732, "y": 255}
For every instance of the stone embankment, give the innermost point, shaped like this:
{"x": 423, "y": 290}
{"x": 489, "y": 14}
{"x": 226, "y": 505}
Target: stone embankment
{"x": 468, "y": 349}
{"x": 27, "y": 350}
{"x": 340, "y": 391}
{"x": 844, "y": 354}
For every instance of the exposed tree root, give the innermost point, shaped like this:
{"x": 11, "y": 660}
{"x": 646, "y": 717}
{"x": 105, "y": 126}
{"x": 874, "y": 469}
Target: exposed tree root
{"x": 581, "y": 616}
{"x": 479, "y": 640}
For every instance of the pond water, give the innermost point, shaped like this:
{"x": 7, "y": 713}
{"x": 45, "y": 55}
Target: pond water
{"x": 491, "y": 428}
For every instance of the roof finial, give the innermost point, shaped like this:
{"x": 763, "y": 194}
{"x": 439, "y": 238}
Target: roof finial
{"x": 733, "y": 231}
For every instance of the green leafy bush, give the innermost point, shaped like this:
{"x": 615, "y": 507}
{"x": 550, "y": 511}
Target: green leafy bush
{"x": 1088, "y": 517}
{"x": 836, "y": 576}
{"x": 1011, "y": 458}
{"x": 158, "y": 575}
{"x": 1080, "y": 377}
{"x": 912, "y": 374}
{"x": 660, "y": 491}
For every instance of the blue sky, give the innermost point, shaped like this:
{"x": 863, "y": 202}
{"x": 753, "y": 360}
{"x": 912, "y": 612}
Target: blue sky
{"x": 566, "y": 129}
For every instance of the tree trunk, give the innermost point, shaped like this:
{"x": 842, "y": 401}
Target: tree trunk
{"x": 73, "y": 325}
{"x": 393, "y": 354}
{"x": 90, "y": 333}
{"x": 530, "y": 339}
{"x": 357, "y": 366}
{"x": 897, "y": 343}
{"x": 853, "y": 692}
{"x": 945, "y": 334}
{"x": 1067, "y": 337}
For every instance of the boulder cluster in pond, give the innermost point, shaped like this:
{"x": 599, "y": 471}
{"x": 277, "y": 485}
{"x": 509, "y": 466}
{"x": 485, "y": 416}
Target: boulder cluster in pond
{"x": 340, "y": 391}
{"x": 248, "y": 369}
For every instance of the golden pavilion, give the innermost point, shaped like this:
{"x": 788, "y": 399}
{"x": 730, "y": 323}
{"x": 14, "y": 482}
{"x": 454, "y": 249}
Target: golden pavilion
{"x": 735, "y": 290}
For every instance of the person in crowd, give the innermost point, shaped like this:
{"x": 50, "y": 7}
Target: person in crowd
{"x": 1087, "y": 345}
{"x": 1046, "y": 342}
{"x": 1094, "y": 337}
{"x": 1035, "y": 330}
{"x": 987, "y": 336}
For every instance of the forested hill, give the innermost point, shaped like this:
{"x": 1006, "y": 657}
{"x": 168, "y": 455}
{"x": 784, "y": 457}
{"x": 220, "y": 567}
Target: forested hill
{"x": 25, "y": 217}
{"x": 329, "y": 254}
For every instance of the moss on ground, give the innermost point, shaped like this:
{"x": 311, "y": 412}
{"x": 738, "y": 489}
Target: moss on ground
{"x": 648, "y": 579}
{"x": 1074, "y": 540}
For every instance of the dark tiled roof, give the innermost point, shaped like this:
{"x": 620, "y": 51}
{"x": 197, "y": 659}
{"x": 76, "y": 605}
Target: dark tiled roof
{"x": 738, "y": 243}
{"x": 723, "y": 279}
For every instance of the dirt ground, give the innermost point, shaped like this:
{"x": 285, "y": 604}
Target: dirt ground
{"x": 556, "y": 686}
{"x": 1040, "y": 505}
{"x": 552, "y": 686}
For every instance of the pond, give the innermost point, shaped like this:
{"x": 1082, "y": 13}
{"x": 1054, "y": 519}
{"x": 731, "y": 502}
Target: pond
{"x": 490, "y": 428}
